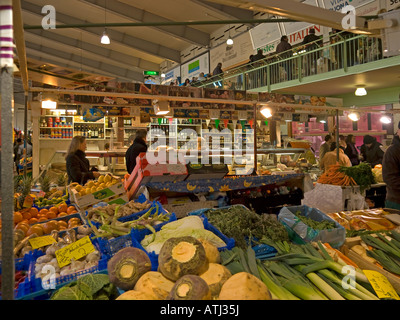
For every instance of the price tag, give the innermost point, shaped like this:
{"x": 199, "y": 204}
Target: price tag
{"x": 75, "y": 251}
{"x": 381, "y": 285}
{"x": 40, "y": 242}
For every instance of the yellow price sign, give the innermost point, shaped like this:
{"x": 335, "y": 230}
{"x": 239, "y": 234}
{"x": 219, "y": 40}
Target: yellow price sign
{"x": 40, "y": 242}
{"x": 75, "y": 251}
{"x": 383, "y": 288}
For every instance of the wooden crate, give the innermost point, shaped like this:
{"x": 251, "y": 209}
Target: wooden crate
{"x": 366, "y": 265}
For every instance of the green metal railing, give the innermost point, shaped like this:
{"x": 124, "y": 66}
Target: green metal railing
{"x": 340, "y": 53}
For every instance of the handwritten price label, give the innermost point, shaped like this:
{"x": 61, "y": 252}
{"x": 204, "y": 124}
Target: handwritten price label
{"x": 40, "y": 242}
{"x": 75, "y": 251}
{"x": 381, "y": 285}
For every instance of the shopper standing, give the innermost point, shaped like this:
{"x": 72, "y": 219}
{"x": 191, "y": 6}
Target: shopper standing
{"x": 391, "y": 172}
{"x": 78, "y": 167}
{"x": 284, "y": 50}
{"x": 351, "y": 150}
{"x": 218, "y": 69}
{"x": 311, "y": 43}
{"x": 138, "y": 146}
{"x": 330, "y": 158}
{"x": 372, "y": 151}
{"x": 325, "y": 147}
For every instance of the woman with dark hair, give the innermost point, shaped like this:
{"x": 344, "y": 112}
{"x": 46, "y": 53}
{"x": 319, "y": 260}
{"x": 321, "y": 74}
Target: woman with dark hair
{"x": 351, "y": 150}
{"x": 78, "y": 167}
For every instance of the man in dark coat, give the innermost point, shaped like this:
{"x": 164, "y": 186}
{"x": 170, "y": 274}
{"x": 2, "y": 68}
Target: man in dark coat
{"x": 138, "y": 146}
{"x": 284, "y": 51}
{"x": 351, "y": 150}
{"x": 373, "y": 153}
{"x": 391, "y": 172}
{"x": 310, "y": 60}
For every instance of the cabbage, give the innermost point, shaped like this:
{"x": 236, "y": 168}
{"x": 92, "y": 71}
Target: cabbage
{"x": 188, "y": 226}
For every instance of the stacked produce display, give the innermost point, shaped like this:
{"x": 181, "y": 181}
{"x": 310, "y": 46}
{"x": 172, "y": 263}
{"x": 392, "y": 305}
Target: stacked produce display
{"x": 115, "y": 249}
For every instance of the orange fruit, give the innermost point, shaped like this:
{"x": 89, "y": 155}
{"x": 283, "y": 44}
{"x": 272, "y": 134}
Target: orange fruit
{"x": 51, "y": 215}
{"x": 62, "y": 214}
{"x": 71, "y": 209}
{"x": 73, "y": 224}
{"x": 22, "y": 226}
{"x": 34, "y": 229}
{"x": 34, "y": 212}
{"x": 54, "y": 209}
{"x": 62, "y": 224}
{"x": 126, "y": 176}
{"x": 25, "y": 221}
{"x": 26, "y": 215}
{"x": 18, "y": 217}
{"x": 33, "y": 220}
{"x": 63, "y": 207}
{"x": 62, "y": 228}
{"x": 48, "y": 227}
{"x": 43, "y": 211}
{"x": 42, "y": 219}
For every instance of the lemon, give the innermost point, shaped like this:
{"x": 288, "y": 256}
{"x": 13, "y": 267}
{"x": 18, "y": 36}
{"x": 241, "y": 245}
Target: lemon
{"x": 93, "y": 189}
{"x": 99, "y": 188}
{"x": 114, "y": 181}
{"x": 88, "y": 190}
{"x": 78, "y": 188}
{"x": 90, "y": 184}
{"x": 107, "y": 178}
{"x": 82, "y": 192}
{"x": 108, "y": 184}
{"x": 102, "y": 185}
{"x": 101, "y": 179}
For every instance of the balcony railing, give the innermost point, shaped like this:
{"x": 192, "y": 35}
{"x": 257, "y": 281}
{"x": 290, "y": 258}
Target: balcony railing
{"x": 339, "y": 53}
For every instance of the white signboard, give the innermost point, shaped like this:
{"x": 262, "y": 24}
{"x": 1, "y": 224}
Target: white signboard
{"x": 194, "y": 67}
{"x": 264, "y": 34}
{"x": 392, "y": 4}
{"x": 337, "y": 5}
{"x": 172, "y": 75}
{"x": 237, "y": 54}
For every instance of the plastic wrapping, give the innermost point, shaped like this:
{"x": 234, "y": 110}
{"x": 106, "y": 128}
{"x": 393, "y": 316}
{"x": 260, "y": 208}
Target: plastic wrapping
{"x": 300, "y": 233}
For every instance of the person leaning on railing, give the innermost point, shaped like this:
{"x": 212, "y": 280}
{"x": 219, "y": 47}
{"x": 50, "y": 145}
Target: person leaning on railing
{"x": 284, "y": 49}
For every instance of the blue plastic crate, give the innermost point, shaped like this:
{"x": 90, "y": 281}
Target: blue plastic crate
{"x": 32, "y": 288}
{"x": 138, "y": 236}
{"x": 111, "y": 246}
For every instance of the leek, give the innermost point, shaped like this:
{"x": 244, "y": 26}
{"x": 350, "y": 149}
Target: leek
{"x": 344, "y": 293}
{"x": 293, "y": 281}
{"x": 273, "y": 284}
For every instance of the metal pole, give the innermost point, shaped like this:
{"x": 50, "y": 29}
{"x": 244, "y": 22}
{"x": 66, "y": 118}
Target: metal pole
{"x": 25, "y": 133}
{"x": 7, "y": 189}
{"x": 337, "y": 135}
{"x": 255, "y": 138}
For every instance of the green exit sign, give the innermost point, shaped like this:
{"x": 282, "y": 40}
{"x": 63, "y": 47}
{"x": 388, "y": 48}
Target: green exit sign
{"x": 151, "y": 73}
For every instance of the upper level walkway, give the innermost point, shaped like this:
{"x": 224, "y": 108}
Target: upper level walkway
{"x": 343, "y": 55}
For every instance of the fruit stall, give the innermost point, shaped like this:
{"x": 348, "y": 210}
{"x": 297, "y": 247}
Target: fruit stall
{"x": 71, "y": 237}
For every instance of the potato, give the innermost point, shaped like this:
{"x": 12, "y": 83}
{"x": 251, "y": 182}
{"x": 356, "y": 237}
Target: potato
{"x": 134, "y": 295}
{"x": 244, "y": 286}
{"x": 215, "y": 276}
{"x": 212, "y": 252}
{"x": 181, "y": 256}
{"x": 155, "y": 284}
{"x": 190, "y": 287}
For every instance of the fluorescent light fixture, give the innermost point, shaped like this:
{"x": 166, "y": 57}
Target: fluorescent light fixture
{"x": 266, "y": 112}
{"x": 229, "y": 42}
{"x": 49, "y": 104}
{"x": 162, "y": 75}
{"x": 105, "y": 39}
{"x": 360, "y": 91}
{"x": 354, "y": 116}
{"x": 385, "y": 119}
{"x": 161, "y": 108}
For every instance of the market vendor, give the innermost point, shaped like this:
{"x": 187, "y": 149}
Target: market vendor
{"x": 138, "y": 146}
{"x": 78, "y": 167}
{"x": 391, "y": 172}
{"x": 330, "y": 158}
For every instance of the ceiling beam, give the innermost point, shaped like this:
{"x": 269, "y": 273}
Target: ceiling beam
{"x": 185, "y": 33}
{"x": 96, "y": 65}
{"x": 228, "y": 11}
{"x": 300, "y": 12}
{"x": 98, "y": 50}
{"x": 146, "y": 46}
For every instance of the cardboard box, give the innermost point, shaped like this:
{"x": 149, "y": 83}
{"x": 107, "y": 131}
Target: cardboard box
{"x": 182, "y": 209}
{"x": 366, "y": 265}
{"x": 95, "y": 197}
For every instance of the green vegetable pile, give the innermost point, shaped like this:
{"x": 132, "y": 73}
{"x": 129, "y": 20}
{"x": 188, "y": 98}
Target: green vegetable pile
{"x": 88, "y": 287}
{"x": 316, "y": 225}
{"x": 362, "y": 175}
{"x": 240, "y": 223}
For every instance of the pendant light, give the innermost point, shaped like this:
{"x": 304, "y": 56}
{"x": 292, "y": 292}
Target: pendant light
{"x": 105, "y": 39}
{"x": 360, "y": 91}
